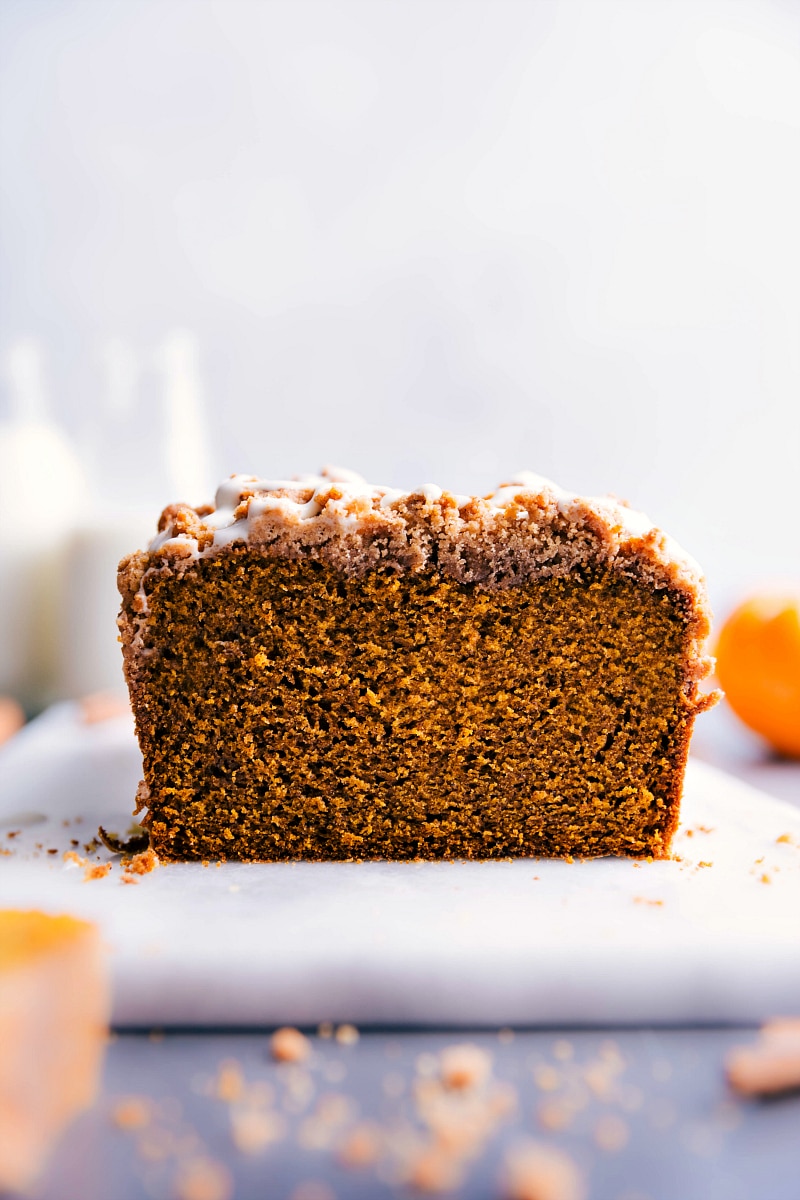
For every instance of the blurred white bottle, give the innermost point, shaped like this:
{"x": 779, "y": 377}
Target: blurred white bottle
{"x": 91, "y": 659}
{"x": 42, "y": 495}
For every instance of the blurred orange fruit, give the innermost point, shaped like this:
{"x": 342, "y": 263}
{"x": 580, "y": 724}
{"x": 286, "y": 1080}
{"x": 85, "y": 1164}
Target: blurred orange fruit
{"x": 758, "y": 665}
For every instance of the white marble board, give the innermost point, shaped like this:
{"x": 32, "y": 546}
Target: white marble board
{"x": 540, "y": 942}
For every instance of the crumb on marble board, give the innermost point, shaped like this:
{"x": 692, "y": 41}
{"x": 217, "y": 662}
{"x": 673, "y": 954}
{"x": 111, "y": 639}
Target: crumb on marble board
{"x": 140, "y": 864}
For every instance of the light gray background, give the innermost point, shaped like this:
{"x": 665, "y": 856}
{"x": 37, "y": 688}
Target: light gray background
{"x": 428, "y": 240}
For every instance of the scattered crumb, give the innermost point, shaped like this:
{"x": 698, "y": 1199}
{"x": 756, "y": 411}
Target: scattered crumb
{"x": 433, "y": 1170}
{"x": 464, "y": 1066}
{"x": 203, "y": 1179}
{"x": 611, "y": 1133}
{"x": 90, "y": 870}
{"x": 325, "y": 1029}
{"x": 53, "y": 850}
{"x": 362, "y": 1146}
{"x": 253, "y": 1129}
{"x": 765, "y": 878}
{"x": 600, "y": 1074}
{"x": 538, "y": 1172}
{"x": 347, "y": 1035}
{"x": 785, "y": 839}
{"x": 289, "y": 1045}
{"x": 12, "y": 833}
{"x": 131, "y": 1112}
{"x": 96, "y": 871}
{"x": 140, "y": 864}
{"x": 781, "y": 1027}
{"x": 771, "y": 1065}
{"x": 229, "y": 1084}
{"x": 705, "y": 864}
{"x": 646, "y": 900}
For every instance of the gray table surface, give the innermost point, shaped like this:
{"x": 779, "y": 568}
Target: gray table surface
{"x": 686, "y": 1137}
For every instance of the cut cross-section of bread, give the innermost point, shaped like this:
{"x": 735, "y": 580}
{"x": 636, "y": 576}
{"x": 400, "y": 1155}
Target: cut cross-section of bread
{"x": 321, "y": 669}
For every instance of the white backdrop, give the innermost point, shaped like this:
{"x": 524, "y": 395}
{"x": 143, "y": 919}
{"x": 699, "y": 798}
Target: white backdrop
{"x": 427, "y": 240}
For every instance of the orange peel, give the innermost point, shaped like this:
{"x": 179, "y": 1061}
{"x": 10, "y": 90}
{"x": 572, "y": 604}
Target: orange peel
{"x": 758, "y": 665}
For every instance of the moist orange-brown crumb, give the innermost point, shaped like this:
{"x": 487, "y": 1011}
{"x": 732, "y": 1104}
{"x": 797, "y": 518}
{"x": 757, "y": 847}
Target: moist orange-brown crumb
{"x": 96, "y": 871}
{"x": 141, "y": 864}
{"x": 411, "y": 678}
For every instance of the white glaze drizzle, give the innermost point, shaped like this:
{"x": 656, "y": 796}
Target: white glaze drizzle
{"x": 345, "y": 496}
